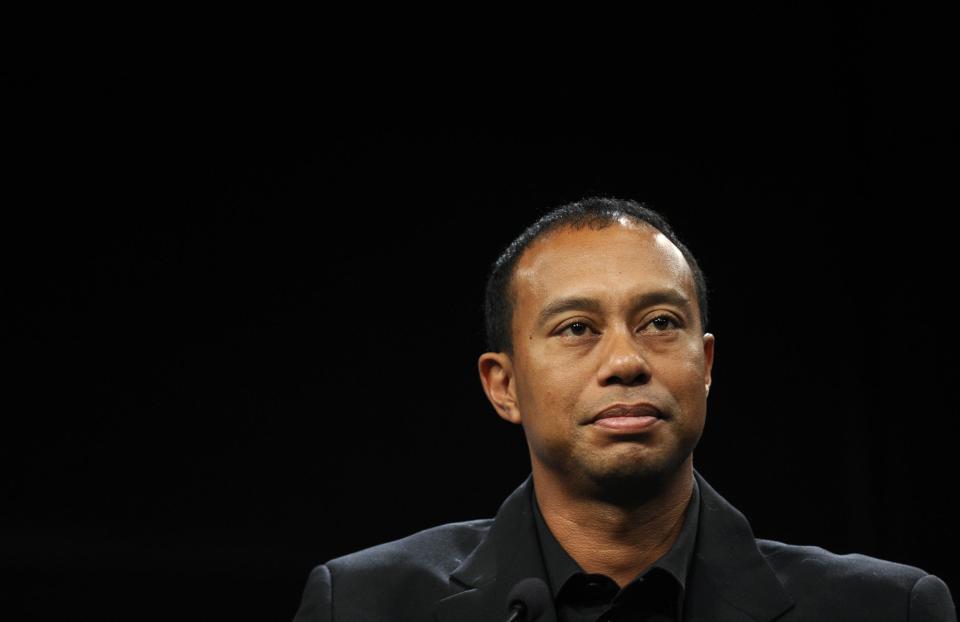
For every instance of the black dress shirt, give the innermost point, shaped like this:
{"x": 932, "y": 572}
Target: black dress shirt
{"x": 655, "y": 596}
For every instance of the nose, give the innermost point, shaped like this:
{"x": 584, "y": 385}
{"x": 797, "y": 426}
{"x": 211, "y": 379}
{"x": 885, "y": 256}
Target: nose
{"x": 623, "y": 361}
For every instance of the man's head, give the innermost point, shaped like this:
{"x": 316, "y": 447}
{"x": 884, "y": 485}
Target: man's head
{"x": 605, "y": 364}
{"x": 595, "y": 213}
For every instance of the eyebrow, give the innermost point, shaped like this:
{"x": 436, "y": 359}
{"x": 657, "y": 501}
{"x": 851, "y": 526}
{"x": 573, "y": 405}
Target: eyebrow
{"x": 583, "y": 303}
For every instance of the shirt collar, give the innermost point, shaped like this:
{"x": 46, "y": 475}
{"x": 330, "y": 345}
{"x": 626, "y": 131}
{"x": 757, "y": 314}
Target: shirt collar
{"x": 676, "y": 562}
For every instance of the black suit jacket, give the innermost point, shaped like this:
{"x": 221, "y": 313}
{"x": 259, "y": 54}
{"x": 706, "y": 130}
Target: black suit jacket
{"x": 462, "y": 572}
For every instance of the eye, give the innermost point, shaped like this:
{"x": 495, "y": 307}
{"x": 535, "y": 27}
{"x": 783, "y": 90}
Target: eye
{"x": 576, "y": 329}
{"x": 663, "y": 323}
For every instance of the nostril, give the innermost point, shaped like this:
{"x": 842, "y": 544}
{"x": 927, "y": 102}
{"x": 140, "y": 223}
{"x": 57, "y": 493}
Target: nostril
{"x": 623, "y": 364}
{"x": 628, "y": 380}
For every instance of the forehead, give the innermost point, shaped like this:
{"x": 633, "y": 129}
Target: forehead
{"x": 623, "y": 258}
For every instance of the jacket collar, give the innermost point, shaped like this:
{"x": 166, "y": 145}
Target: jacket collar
{"x": 729, "y": 578}
{"x": 508, "y": 554}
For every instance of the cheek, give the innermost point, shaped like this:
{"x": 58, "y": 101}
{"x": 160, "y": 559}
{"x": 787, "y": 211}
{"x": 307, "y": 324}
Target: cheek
{"x": 685, "y": 375}
{"x": 548, "y": 398}
{"x": 549, "y": 393}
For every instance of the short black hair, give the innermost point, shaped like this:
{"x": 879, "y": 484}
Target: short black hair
{"x": 593, "y": 212}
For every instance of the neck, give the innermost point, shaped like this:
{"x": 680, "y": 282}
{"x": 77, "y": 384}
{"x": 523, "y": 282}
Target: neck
{"x": 615, "y": 538}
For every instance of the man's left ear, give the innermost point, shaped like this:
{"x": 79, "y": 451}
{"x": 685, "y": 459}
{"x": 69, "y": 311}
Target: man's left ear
{"x": 708, "y": 345}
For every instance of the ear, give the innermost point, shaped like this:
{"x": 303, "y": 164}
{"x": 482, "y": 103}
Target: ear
{"x": 708, "y": 345}
{"x": 496, "y": 375}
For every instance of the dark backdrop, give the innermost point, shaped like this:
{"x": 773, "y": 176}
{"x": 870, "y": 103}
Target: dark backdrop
{"x": 246, "y": 303}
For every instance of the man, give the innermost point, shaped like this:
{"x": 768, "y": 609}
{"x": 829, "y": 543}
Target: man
{"x": 595, "y": 320}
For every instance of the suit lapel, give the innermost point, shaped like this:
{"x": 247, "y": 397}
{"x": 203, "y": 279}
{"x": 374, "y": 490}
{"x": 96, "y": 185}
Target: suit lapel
{"x": 729, "y": 578}
{"x": 509, "y": 553}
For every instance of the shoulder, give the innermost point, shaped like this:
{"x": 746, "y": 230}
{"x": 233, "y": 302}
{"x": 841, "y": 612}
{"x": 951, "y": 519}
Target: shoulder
{"x": 796, "y": 562}
{"x": 408, "y": 575}
{"x": 438, "y": 550}
{"x": 815, "y": 575}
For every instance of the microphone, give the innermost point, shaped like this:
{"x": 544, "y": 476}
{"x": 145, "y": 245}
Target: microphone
{"x": 527, "y": 601}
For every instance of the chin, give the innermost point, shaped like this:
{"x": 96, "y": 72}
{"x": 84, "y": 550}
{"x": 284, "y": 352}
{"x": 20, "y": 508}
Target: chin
{"x": 630, "y": 482}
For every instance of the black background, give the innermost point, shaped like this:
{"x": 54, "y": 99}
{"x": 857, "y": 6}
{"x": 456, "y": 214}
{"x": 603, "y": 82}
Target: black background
{"x": 245, "y": 298}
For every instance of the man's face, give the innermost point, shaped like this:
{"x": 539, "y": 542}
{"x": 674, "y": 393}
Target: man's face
{"x": 610, "y": 364}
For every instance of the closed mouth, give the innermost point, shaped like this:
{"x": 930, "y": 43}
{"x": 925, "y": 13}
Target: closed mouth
{"x": 641, "y": 409}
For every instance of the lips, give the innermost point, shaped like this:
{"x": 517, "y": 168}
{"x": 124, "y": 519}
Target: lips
{"x": 629, "y": 410}
{"x": 628, "y": 418}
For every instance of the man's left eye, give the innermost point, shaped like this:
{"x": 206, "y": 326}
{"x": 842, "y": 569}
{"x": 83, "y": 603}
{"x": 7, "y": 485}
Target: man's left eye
{"x": 663, "y": 322}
